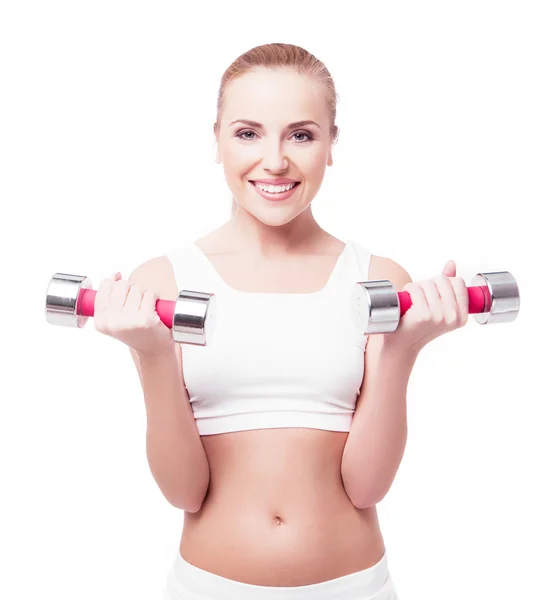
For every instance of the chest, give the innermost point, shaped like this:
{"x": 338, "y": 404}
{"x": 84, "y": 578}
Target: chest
{"x": 294, "y": 275}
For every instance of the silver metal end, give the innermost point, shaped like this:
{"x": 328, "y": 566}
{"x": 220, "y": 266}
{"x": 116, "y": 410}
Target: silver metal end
{"x": 375, "y": 307}
{"x": 504, "y": 297}
{"x": 194, "y": 318}
{"x": 61, "y": 299}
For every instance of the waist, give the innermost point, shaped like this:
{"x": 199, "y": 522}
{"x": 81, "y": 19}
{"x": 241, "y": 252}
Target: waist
{"x": 289, "y": 533}
{"x": 282, "y": 547}
{"x": 276, "y": 512}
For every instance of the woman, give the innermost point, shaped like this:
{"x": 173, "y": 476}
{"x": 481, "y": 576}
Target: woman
{"x": 279, "y": 438}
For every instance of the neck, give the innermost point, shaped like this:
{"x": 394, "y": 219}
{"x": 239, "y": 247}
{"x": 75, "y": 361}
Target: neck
{"x": 245, "y": 233}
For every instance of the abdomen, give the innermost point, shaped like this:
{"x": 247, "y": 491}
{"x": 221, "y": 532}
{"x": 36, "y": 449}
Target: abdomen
{"x": 276, "y": 512}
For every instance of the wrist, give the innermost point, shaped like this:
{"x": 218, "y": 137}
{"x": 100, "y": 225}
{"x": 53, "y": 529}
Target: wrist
{"x": 161, "y": 355}
{"x": 393, "y": 348}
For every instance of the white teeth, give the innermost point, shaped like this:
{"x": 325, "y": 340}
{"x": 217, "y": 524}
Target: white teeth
{"x": 274, "y": 189}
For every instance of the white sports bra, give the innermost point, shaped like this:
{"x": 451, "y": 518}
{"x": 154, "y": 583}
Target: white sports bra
{"x": 274, "y": 359}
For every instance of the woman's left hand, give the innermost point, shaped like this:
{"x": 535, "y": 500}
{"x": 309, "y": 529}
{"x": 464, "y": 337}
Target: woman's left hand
{"x": 439, "y": 305}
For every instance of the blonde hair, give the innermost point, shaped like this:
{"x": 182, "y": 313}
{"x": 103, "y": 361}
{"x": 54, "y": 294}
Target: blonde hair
{"x": 277, "y": 56}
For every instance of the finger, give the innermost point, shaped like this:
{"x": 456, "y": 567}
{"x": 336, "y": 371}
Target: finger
{"x": 102, "y": 296}
{"x": 417, "y": 295}
{"x": 133, "y": 299}
{"x": 449, "y": 269}
{"x": 433, "y": 298}
{"x": 148, "y": 303}
{"x": 118, "y": 294}
{"x": 462, "y": 300}
{"x": 448, "y": 299}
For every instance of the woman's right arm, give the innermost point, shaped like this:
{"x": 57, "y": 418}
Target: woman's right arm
{"x": 175, "y": 453}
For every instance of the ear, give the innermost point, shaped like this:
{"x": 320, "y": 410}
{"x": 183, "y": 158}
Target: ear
{"x": 330, "y": 157}
{"x": 218, "y": 157}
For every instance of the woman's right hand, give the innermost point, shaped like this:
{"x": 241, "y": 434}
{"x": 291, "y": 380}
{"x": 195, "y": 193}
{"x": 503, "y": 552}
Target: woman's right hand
{"x": 127, "y": 312}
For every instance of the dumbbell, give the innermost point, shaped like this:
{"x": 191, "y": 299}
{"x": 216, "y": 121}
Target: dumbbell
{"x": 377, "y": 307}
{"x": 70, "y": 301}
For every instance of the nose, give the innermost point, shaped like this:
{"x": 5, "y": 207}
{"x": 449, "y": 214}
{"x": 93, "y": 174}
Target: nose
{"x": 274, "y": 158}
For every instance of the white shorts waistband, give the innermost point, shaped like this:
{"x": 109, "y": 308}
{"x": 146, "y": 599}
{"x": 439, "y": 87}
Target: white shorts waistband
{"x": 188, "y": 582}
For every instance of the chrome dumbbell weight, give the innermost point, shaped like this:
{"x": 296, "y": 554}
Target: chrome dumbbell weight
{"x": 377, "y": 307}
{"x": 70, "y": 301}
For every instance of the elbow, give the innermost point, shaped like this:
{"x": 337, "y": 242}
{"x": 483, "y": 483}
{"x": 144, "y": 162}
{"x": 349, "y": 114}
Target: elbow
{"x": 191, "y": 498}
{"x": 198, "y": 498}
{"x": 189, "y": 505}
{"x": 368, "y": 500}
{"x": 363, "y": 496}
{"x": 189, "y": 502}
{"x": 197, "y": 502}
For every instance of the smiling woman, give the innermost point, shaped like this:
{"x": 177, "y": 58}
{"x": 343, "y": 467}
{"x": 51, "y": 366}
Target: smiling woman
{"x": 253, "y": 447}
{"x": 266, "y": 83}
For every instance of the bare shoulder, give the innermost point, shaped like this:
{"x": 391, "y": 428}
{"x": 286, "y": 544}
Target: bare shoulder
{"x": 157, "y": 275}
{"x": 382, "y": 267}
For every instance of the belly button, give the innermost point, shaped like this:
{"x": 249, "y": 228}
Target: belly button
{"x": 279, "y": 521}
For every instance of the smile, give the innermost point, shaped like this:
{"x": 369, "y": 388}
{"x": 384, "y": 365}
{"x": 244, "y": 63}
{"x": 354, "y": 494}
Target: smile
{"x": 275, "y": 192}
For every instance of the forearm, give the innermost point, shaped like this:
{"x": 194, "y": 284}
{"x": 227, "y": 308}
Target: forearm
{"x": 377, "y": 439}
{"x": 175, "y": 453}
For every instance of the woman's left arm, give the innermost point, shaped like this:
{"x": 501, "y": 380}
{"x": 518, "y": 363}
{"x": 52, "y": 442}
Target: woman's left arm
{"x": 375, "y": 445}
{"x": 377, "y": 439}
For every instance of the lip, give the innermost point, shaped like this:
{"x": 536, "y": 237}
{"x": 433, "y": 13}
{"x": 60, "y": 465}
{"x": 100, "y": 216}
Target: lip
{"x": 278, "y": 197}
{"x": 277, "y": 181}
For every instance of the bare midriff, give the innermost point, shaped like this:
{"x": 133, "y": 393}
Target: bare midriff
{"x": 276, "y": 512}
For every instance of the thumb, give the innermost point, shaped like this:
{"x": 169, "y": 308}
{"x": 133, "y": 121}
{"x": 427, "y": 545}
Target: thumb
{"x": 450, "y": 269}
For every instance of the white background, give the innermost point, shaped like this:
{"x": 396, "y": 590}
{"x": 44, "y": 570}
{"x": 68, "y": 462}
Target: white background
{"x": 447, "y": 151}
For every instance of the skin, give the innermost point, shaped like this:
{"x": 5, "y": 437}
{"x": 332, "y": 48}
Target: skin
{"x": 275, "y": 99}
{"x": 276, "y": 495}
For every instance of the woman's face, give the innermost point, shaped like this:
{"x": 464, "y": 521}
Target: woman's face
{"x": 274, "y": 144}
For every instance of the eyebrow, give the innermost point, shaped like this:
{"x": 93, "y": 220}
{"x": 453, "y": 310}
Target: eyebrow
{"x": 291, "y": 126}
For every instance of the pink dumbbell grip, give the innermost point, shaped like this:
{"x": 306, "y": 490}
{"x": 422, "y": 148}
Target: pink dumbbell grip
{"x": 479, "y": 300}
{"x": 86, "y": 307}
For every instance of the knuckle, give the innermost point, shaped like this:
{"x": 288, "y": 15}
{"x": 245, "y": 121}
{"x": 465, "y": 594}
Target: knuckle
{"x": 423, "y": 317}
{"x": 107, "y": 281}
{"x": 460, "y": 284}
{"x": 140, "y": 322}
{"x": 130, "y": 324}
{"x": 452, "y": 319}
{"x": 437, "y": 319}
{"x": 100, "y": 325}
{"x": 113, "y": 325}
{"x": 122, "y": 283}
{"x": 144, "y": 324}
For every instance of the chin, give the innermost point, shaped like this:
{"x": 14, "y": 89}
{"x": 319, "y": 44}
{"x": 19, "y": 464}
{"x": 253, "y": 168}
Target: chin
{"x": 276, "y": 218}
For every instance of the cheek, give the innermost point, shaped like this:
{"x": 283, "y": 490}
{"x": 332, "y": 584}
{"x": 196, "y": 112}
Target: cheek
{"x": 315, "y": 164}
{"x": 237, "y": 159}
{"x": 310, "y": 162}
